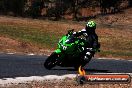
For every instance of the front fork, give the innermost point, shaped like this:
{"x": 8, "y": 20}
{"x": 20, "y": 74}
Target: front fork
{"x": 58, "y": 52}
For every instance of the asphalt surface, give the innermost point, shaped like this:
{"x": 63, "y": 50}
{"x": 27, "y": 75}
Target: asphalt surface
{"x": 12, "y": 66}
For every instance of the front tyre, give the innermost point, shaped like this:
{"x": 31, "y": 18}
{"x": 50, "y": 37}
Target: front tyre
{"x": 51, "y": 61}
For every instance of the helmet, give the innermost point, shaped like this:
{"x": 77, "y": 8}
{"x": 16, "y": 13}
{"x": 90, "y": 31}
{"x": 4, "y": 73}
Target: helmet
{"x": 91, "y": 25}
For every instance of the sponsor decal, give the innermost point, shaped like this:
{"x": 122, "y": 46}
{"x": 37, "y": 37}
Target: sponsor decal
{"x": 101, "y": 78}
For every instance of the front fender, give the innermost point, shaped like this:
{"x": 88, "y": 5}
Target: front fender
{"x": 58, "y": 51}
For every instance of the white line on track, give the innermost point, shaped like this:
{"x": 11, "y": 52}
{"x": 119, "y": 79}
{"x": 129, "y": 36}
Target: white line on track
{"x": 109, "y": 58}
{"x": 10, "y": 53}
{"x": 31, "y": 54}
{"x": 103, "y": 58}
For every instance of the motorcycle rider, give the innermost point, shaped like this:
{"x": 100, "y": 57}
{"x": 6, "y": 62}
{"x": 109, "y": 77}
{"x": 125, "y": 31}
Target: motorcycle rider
{"x": 91, "y": 38}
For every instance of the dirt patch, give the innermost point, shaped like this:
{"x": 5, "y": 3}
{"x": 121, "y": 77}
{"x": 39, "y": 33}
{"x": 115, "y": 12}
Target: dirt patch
{"x": 9, "y": 45}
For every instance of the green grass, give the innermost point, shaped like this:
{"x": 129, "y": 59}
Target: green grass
{"x": 120, "y": 44}
{"x": 32, "y": 35}
{"x": 111, "y": 45}
{"x": 116, "y": 53}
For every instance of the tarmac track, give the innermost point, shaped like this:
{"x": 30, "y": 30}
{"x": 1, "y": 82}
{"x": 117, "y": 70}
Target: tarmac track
{"x": 12, "y": 66}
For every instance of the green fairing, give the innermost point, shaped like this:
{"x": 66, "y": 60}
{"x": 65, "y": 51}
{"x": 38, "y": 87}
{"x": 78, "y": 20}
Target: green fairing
{"x": 61, "y": 42}
{"x": 69, "y": 48}
{"x": 58, "y": 51}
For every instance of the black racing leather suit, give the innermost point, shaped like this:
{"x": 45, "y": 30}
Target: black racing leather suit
{"x": 91, "y": 39}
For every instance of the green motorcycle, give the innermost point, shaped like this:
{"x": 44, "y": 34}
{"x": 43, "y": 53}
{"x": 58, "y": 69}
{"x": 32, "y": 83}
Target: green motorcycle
{"x": 70, "y": 53}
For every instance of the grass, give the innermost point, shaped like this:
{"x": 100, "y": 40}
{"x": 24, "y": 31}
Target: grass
{"x": 114, "y": 42}
{"x": 31, "y": 35}
{"x": 116, "y": 53}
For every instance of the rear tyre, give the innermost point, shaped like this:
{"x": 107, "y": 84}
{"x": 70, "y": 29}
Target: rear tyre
{"x": 51, "y": 61}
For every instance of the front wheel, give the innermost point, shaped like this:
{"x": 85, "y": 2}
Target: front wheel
{"x": 51, "y": 61}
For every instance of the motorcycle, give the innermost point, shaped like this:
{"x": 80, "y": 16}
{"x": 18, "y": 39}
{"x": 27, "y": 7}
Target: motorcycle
{"x": 70, "y": 53}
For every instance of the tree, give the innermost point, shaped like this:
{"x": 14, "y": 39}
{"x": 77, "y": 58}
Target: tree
{"x": 14, "y": 6}
{"x": 109, "y": 6}
{"x": 130, "y": 3}
{"x": 36, "y": 8}
{"x": 17, "y": 6}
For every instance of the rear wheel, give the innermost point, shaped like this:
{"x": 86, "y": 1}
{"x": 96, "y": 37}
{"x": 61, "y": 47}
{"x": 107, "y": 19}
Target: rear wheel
{"x": 51, "y": 61}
